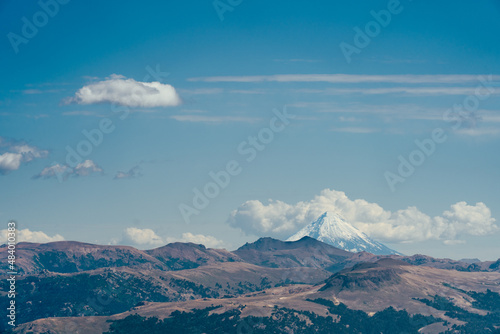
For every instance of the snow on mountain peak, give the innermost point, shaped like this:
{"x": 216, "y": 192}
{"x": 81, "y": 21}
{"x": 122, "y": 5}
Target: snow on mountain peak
{"x": 331, "y": 228}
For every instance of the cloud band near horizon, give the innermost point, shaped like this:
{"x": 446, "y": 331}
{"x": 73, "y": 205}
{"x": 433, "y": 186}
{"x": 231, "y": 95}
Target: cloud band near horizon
{"x": 279, "y": 219}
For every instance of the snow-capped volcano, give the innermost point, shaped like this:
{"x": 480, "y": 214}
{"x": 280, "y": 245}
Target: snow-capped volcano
{"x": 332, "y": 229}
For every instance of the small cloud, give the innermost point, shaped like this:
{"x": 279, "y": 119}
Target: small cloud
{"x": 16, "y": 154}
{"x": 39, "y": 91}
{"x": 132, "y": 173}
{"x": 141, "y": 237}
{"x": 53, "y": 171}
{"x": 86, "y": 168}
{"x": 127, "y": 92}
{"x": 32, "y": 91}
{"x": 206, "y": 240}
{"x": 32, "y": 236}
{"x": 63, "y": 171}
{"x": 148, "y": 238}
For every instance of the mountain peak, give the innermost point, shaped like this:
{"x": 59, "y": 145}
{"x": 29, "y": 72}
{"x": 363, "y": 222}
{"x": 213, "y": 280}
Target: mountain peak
{"x": 332, "y": 229}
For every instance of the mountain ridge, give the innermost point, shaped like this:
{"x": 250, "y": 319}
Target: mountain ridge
{"x": 180, "y": 272}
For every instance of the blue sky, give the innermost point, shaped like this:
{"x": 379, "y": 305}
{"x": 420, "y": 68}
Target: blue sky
{"x": 221, "y": 81}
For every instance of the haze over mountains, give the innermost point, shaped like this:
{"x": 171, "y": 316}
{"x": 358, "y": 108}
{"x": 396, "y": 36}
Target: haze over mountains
{"x": 83, "y": 280}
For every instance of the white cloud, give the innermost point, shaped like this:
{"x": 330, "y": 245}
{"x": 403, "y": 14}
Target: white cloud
{"x": 280, "y": 219}
{"x": 148, "y": 238}
{"x": 349, "y": 78}
{"x": 86, "y": 168}
{"x": 207, "y": 240}
{"x": 53, "y": 171}
{"x": 63, "y": 171}
{"x": 31, "y": 236}
{"x": 10, "y": 161}
{"x": 15, "y": 154}
{"x": 128, "y": 92}
{"x": 32, "y": 91}
{"x": 141, "y": 237}
{"x": 132, "y": 173}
